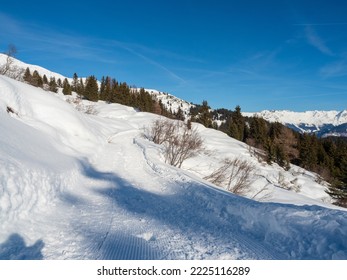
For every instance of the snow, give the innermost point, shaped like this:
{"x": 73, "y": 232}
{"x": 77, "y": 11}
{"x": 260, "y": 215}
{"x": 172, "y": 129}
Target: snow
{"x": 317, "y": 118}
{"x": 323, "y": 123}
{"x": 22, "y": 65}
{"x": 91, "y": 186}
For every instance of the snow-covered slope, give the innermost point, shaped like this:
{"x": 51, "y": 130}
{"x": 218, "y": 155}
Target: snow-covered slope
{"x": 79, "y": 186}
{"x": 321, "y": 122}
{"x": 172, "y": 102}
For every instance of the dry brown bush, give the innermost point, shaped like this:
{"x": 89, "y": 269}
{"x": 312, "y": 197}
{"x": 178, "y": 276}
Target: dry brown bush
{"x": 179, "y": 142}
{"x": 234, "y": 175}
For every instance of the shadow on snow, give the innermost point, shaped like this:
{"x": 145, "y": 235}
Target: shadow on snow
{"x": 207, "y": 217}
{"x": 14, "y": 248}
{"x": 195, "y": 212}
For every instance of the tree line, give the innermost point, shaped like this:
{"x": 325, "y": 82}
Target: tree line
{"x": 109, "y": 90}
{"x": 277, "y": 143}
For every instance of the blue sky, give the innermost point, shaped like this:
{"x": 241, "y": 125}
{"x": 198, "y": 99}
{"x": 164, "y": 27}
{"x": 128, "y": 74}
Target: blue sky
{"x": 257, "y": 54}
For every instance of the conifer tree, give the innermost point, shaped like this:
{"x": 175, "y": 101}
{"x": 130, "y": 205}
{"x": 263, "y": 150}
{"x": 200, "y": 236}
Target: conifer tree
{"x": 59, "y": 83}
{"x": 106, "y": 89}
{"x": 91, "y": 89}
{"x": 53, "y": 85}
{"x": 45, "y": 80}
{"x": 36, "y": 79}
{"x": 66, "y": 87}
{"x": 204, "y": 115}
{"x": 75, "y": 83}
{"x": 179, "y": 114}
{"x": 80, "y": 87}
{"x": 27, "y": 77}
{"x": 237, "y": 124}
{"x": 308, "y": 151}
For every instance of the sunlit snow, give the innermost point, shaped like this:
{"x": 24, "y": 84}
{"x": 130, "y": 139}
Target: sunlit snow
{"x": 91, "y": 186}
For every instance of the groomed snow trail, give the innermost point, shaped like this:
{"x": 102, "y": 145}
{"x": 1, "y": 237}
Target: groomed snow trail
{"x": 142, "y": 214}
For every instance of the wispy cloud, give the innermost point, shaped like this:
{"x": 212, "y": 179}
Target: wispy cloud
{"x": 149, "y": 60}
{"x": 335, "y": 69}
{"x": 317, "y": 42}
{"x": 48, "y": 42}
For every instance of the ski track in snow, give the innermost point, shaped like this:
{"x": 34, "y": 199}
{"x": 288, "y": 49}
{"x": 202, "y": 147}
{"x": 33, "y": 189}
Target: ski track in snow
{"x": 113, "y": 219}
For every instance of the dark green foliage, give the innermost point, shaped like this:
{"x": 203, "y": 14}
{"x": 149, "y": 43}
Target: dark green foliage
{"x": 45, "y": 80}
{"x": 91, "y": 90}
{"x": 27, "y": 77}
{"x": 36, "y": 79}
{"x": 59, "y": 83}
{"x": 234, "y": 125}
{"x": 75, "y": 83}
{"x": 179, "y": 114}
{"x": 66, "y": 87}
{"x": 258, "y": 131}
{"x": 53, "y": 85}
{"x": 308, "y": 151}
{"x": 204, "y": 115}
{"x": 338, "y": 188}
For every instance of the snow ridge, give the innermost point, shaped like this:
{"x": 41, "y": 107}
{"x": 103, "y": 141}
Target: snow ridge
{"x": 320, "y": 122}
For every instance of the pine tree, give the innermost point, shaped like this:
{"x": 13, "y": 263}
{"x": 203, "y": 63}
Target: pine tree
{"x": 59, "y": 83}
{"x": 91, "y": 89}
{"x": 338, "y": 189}
{"x": 237, "y": 124}
{"x": 308, "y": 151}
{"x": 27, "y": 77}
{"x": 75, "y": 83}
{"x": 53, "y": 85}
{"x": 108, "y": 89}
{"x": 179, "y": 114}
{"x": 45, "y": 80}
{"x": 102, "y": 88}
{"x": 80, "y": 87}
{"x": 258, "y": 131}
{"x": 66, "y": 87}
{"x": 204, "y": 115}
{"x": 36, "y": 79}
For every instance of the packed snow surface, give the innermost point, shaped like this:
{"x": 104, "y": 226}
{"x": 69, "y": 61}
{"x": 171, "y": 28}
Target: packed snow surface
{"x": 91, "y": 186}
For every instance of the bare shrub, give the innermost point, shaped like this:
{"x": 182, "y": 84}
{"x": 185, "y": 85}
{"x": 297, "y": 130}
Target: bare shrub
{"x": 90, "y": 110}
{"x": 256, "y": 151}
{"x": 234, "y": 175}
{"x": 179, "y": 142}
{"x": 292, "y": 185}
{"x": 161, "y": 131}
{"x": 183, "y": 144}
{"x": 6, "y": 68}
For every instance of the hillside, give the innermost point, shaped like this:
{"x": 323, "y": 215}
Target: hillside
{"x": 90, "y": 186}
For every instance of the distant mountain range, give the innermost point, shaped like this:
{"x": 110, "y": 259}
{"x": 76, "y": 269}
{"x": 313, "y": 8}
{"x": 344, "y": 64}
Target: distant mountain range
{"x": 323, "y": 123}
